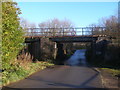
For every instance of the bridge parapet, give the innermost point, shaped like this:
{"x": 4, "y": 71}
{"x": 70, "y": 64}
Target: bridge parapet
{"x": 65, "y": 32}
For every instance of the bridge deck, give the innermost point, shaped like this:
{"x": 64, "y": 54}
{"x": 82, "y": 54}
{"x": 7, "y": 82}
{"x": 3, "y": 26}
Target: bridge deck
{"x": 65, "y": 36}
{"x": 86, "y": 34}
{"x": 74, "y": 39}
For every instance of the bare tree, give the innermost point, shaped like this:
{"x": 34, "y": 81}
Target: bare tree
{"x": 95, "y": 29}
{"x": 56, "y": 26}
{"x": 27, "y": 26}
{"x": 111, "y": 27}
{"x": 24, "y": 23}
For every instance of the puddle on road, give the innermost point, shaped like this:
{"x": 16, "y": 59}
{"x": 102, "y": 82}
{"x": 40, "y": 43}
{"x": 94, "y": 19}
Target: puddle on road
{"x": 78, "y": 58}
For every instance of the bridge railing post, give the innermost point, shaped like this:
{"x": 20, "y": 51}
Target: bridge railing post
{"x": 55, "y": 50}
{"x": 92, "y": 30}
{"x": 93, "y": 49}
{"x": 63, "y": 32}
{"x": 53, "y": 32}
{"x": 82, "y": 32}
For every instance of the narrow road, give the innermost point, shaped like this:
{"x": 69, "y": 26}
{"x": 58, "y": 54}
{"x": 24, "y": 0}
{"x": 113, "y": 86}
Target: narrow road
{"x": 62, "y": 76}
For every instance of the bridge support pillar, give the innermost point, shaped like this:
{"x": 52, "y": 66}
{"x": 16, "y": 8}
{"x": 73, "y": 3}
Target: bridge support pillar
{"x": 60, "y": 54}
{"x": 34, "y": 48}
{"x": 55, "y": 50}
{"x": 93, "y": 45}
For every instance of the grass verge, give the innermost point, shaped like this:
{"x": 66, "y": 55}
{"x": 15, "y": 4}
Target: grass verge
{"x": 18, "y": 72}
{"x": 114, "y": 72}
{"x": 109, "y": 77}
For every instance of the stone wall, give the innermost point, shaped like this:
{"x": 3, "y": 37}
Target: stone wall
{"x": 33, "y": 47}
{"x": 47, "y": 49}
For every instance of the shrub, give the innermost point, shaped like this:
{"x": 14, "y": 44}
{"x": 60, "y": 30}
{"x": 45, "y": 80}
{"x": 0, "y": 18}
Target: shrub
{"x": 12, "y": 33}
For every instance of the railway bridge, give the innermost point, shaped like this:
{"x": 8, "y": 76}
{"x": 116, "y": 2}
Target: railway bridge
{"x": 62, "y": 35}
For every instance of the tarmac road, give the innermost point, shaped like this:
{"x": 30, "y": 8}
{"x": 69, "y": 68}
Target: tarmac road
{"x": 62, "y": 77}
{"x": 76, "y": 74}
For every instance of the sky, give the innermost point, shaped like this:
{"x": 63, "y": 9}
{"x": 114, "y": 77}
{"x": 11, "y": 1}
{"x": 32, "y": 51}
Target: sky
{"x": 81, "y": 14}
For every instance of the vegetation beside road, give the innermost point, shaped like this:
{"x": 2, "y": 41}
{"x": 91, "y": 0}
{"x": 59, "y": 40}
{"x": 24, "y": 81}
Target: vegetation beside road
{"x": 106, "y": 57}
{"x": 15, "y": 65}
{"x": 114, "y": 72}
{"x": 109, "y": 66}
{"x": 109, "y": 77}
{"x": 20, "y": 71}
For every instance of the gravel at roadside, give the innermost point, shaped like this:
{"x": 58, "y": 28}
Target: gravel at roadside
{"x": 108, "y": 80}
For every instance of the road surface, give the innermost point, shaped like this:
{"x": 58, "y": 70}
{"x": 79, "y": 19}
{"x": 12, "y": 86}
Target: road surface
{"x": 63, "y": 76}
